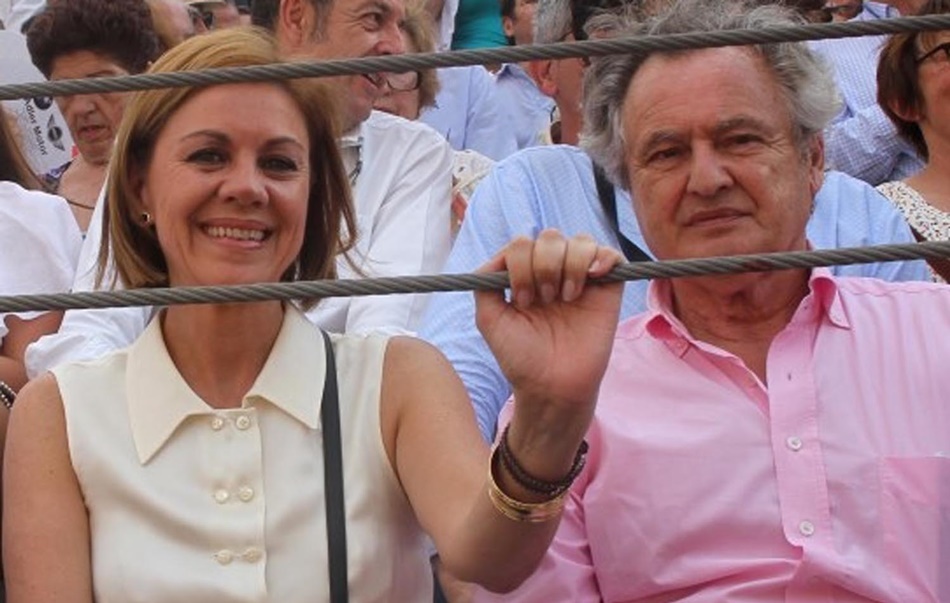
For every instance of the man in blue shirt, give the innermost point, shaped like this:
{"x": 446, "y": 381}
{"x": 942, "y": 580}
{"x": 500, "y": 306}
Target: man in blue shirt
{"x": 862, "y": 141}
{"x": 526, "y": 109}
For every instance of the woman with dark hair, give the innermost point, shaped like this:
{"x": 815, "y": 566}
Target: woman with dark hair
{"x": 74, "y": 39}
{"x": 913, "y": 80}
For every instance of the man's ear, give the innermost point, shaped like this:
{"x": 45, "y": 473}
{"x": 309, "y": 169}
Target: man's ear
{"x": 816, "y": 163}
{"x": 508, "y": 26}
{"x": 294, "y": 25}
{"x": 542, "y": 72}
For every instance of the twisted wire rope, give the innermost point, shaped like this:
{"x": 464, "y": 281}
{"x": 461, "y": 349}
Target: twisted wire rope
{"x": 465, "y": 282}
{"x": 509, "y": 54}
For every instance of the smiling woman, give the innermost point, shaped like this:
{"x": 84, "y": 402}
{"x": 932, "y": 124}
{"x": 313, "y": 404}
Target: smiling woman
{"x": 211, "y": 446}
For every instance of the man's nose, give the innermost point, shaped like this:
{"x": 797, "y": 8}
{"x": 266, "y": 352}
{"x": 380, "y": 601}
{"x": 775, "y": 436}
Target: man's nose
{"x": 708, "y": 173}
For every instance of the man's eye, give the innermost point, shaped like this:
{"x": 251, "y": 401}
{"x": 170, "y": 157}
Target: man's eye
{"x": 663, "y": 155}
{"x": 373, "y": 20}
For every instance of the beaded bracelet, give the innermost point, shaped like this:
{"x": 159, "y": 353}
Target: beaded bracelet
{"x": 7, "y": 395}
{"x": 521, "y": 511}
{"x": 533, "y": 484}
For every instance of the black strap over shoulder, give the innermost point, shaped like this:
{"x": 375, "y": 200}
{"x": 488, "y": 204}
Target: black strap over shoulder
{"x": 333, "y": 480}
{"x": 608, "y": 200}
{"x": 939, "y": 265}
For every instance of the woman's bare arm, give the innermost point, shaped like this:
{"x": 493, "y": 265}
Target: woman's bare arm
{"x": 45, "y": 524}
{"x": 554, "y": 352}
{"x": 22, "y": 333}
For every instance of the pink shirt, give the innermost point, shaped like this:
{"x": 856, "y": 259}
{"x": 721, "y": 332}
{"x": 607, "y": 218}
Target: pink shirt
{"x": 831, "y": 484}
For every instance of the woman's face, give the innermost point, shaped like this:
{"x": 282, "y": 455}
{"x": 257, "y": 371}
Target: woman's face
{"x": 934, "y": 75}
{"x": 92, "y": 118}
{"x": 404, "y": 103}
{"x": 228, "y": 185}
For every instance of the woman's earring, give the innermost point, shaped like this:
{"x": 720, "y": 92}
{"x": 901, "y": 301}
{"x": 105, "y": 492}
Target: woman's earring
{"x": 146, "y": 218}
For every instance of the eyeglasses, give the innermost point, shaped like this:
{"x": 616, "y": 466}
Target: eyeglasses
{"x": 935, "y": 51}
{"x": 402, "y": 82}
{"x": 201, "y": 20}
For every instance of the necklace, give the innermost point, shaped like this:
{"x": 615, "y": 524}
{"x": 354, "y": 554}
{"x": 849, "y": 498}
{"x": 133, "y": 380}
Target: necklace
{"x": 82, "y": 205}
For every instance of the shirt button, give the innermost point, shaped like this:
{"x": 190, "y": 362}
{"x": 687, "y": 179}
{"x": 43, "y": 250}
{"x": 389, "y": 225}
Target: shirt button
{"x": 217, "y": 423}
{"x": 794, "y": 443}
{"x": 246, "y": 493}
{"x": 242, "y": 422}
{"x": 252, "y": 555}
{"x": 224, "y": 557}
{"x": 806, "y": 528}
{"x": 221, "y": 496}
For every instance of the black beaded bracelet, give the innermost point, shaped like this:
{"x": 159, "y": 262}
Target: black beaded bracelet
{"x": 7, "y": 395}
{"x": 533, "y": 484}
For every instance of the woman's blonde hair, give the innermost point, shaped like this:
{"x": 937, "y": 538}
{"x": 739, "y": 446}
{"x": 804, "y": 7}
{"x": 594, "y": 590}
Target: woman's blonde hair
{"x": 139, "y": 260}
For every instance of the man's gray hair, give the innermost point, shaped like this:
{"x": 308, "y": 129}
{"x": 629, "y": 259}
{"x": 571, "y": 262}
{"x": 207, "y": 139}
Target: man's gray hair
{"x": 552, "y": 21}
{"x": 803, "y": 77}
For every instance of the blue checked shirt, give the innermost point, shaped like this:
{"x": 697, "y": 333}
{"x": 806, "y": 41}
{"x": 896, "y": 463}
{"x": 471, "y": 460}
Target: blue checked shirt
{"x": 862, "y": 141}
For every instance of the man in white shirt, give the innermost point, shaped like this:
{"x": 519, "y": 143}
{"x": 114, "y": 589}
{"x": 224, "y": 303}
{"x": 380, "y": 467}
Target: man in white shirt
{"x": 400, "y": 170}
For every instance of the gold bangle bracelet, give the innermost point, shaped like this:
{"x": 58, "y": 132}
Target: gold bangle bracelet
{"x": 521, "y": 511}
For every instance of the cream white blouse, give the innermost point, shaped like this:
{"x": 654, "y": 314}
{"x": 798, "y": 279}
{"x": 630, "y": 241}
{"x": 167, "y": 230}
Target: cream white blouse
{"x": 191, "y": 503}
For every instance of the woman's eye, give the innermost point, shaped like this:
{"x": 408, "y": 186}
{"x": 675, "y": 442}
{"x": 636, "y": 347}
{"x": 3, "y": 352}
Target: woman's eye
{"x": 207, "y": 157}
{"x": 279, "y": 164}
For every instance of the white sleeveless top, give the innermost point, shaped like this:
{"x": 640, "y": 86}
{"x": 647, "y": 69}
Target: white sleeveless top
{"x": 190, "y": 503}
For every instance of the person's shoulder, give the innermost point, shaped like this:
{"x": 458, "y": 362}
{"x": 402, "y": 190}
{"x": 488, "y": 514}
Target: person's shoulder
{"x": 382, "y": 126}
{"x": 868, "y": 290}
{"x": 22, "y": 203}
{"x": 27, "y": 213}
{"x": 843, "y": 192}
{"x": 550, "y": 157}
{"x": 387, "y": 138}
{"x": 92, "y": 370}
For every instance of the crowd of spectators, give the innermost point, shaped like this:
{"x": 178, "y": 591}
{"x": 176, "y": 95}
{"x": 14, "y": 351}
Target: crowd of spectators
{"x": 769, "y": 436}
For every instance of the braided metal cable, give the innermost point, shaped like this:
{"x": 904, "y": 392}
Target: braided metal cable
{"x": 508, "y": 54}
{"x": 465, "y": 282}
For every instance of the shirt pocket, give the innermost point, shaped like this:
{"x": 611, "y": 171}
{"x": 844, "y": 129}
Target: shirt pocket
{"x": 915, "y": 516}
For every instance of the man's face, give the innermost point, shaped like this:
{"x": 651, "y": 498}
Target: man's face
{"x": 714, "y": 168}
{"x": 519, "y": 25}
{"x": 358, "y": 28}
{"x": 179, "y": 24}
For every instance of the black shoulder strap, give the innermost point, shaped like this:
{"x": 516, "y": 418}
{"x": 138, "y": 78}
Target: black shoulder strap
{"x": 940, "y": 266}
{"x": 608, "y": 200}
{"x": 333, "y": 480}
